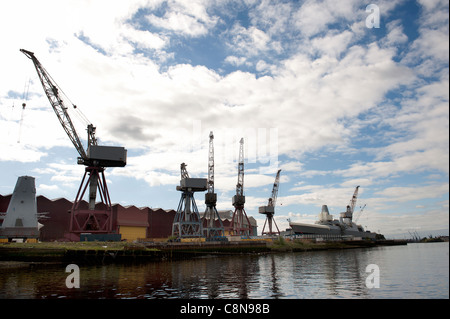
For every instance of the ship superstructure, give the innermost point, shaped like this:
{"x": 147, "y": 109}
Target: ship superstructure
{"x": 328, "y": 226}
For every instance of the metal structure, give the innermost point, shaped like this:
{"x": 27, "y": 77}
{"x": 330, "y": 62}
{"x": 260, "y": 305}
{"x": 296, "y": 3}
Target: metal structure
{"x": 360, "y": 213}
{"x": 240, "y": 224}
{"x": 187, "y": 222}
{"x": 21, "y": 219}
{"x": 95, "y": 158}
{"x": 347, "y": 216}
{"x": 211, "y": 229}
{"x": 269, "y": 210}
{"x": 353, "y": 200}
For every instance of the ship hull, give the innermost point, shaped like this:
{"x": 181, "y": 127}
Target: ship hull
{"x": 329, "y": 230}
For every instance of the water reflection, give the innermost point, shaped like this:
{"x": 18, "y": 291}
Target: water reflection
{"x": 328, "y": 274}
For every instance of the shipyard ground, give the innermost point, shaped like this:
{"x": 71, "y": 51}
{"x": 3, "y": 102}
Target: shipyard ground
{"x": 115, "y": 252}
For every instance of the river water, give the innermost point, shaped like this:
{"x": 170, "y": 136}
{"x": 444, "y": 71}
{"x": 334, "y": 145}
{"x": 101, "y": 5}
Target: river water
{"x": 413, "y": 271}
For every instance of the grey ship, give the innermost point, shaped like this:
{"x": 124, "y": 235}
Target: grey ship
{"x": 326, "y": 225}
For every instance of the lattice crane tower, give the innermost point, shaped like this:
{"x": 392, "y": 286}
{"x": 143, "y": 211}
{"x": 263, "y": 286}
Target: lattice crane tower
{"x": 240, "y": 224}
{"x": 187, "y": 222}
{"x": 213, "y": 229}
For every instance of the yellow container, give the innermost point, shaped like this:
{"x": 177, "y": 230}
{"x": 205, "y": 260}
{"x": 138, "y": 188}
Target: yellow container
{"x": 132, "y": 233}
{"x": 193, "y": 240}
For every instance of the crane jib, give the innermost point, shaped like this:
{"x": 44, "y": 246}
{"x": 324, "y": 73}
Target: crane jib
{"x": 57, "y": 103}
{"x": 102, "y": 156}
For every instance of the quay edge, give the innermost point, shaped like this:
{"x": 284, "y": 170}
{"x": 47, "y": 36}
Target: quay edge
{"x": 100, "y": 253}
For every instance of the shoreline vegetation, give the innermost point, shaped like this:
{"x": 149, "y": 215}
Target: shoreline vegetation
{"x": 112, "y": 252}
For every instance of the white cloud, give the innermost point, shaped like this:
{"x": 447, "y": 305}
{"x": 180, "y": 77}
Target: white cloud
{"x": 408, "y": 194}
{"x": 396, "y": 36}
{"x": 333, "y": 43}
{"x": 43, "y": 187}
{"x": 313, "y": 17}
{"x": 234, "y": 60}
{"x": 249, "y": 41}
{"x": 187, "y": 19}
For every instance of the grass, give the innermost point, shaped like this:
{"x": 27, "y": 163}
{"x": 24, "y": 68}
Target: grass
{"x": 77, "y": 245}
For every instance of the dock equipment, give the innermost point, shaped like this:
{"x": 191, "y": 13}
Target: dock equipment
{"x": 347, "y": 216}
{"x": 240, "y": 224}
{"x": 213, "y": 229}
{"x": 96, "y": 158}
{"x": 269, "y": 210}
{"x": 187, "y": 222}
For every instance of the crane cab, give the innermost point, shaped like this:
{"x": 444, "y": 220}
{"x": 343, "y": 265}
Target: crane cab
{"x": 107, "y": 156}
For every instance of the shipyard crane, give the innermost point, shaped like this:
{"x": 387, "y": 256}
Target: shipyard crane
{"x": 353, "y": 200}
{"x": 359, "y": 214}
{"x": 211, "y": 229}
{"x": 96, "y": 158}
{"x": 240, "y": 224}
{"x": 187, "y": 222}
{"x": 269, "y": 210}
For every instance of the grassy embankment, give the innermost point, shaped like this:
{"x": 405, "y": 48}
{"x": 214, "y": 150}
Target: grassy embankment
{"x": 51, "y": 251}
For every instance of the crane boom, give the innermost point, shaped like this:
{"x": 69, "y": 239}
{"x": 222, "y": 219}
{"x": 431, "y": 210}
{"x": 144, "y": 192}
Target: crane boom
{"x": 353, "y": 200}
{"x": 57, "y": 103}
{"x": 184, "y": 172}
{"x": 273, "y": 198}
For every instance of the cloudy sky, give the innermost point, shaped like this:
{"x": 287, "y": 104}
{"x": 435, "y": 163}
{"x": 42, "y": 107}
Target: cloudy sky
{"x": 318, "y": 89}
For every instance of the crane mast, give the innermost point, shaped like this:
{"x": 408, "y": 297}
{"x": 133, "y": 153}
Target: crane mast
{"x": 211, "y": 164}
{"x": 240, "y": 224}
{"x": 213, "y": 230}
{"x": 240, "y": 183}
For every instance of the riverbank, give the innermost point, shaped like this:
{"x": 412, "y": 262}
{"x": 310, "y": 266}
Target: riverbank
{"x": 281, "y": 244}
{"x": 111, "y": 252}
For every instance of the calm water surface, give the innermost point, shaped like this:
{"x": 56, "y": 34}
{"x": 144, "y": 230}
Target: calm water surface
{"x": 412, "y": 271}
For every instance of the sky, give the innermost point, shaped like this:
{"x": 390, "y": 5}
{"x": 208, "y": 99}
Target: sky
{"x": 336, "y": 94}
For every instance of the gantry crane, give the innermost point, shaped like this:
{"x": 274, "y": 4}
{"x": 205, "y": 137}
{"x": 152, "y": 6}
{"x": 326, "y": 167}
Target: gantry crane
{"x": 213, "y": 226}
{"x": 187, "y": 222}
{"x": 240, "y": 224}
{"x": 96, "y": 158}
{"x": 269, "y": 210}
